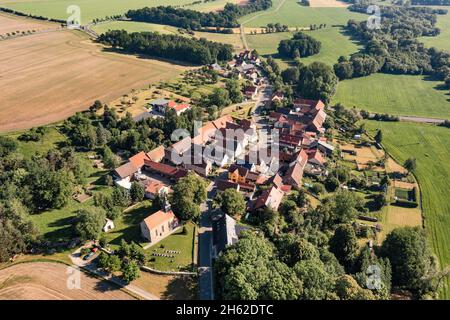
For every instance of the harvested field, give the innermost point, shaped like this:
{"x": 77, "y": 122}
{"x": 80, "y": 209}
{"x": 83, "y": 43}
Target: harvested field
{"x": 10, "y": 23}
{"x": 48, "y": 281}
{"x": 327, "y": 4}
{"x": 48, "y": 77}
{"x": 168, "y": 287}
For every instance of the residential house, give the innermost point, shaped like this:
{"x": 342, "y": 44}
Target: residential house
{"x": 155, "y": 189}
{"x": 270, "y": 198}
{"x": 157, "y": 154}
{"x": 165, "y": 170}
{"x": 159, "y": 225}
{"x": 159, "y": 105}
{"x": 199, "y": 164}
{"x": 124, "y": 175}
{"x": 226, "y": 232}
{"x": 251, "y": 92}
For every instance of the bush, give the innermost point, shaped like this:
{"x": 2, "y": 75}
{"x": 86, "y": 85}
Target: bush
{"x": 406, "y": 203}
{"x": 317, "y": 188}
{"x": 331, "y": 184}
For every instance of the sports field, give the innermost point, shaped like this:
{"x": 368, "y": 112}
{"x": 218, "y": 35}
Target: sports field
{"x": 267, "y": 44}
{"x": 47, "y": 77}
{"x": 291, "y": 13}
{"x": 395, "y": 94}
{"x": 442, "y": 41}
{"x": 429, "y": 145}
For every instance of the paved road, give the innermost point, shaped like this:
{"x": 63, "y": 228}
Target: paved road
{"x": 205, "y": 242}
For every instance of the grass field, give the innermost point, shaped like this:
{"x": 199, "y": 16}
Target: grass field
{"x": 90, "y": 9}
{"x": 395, "y": 94}
{"x": 267, "y": 44}
{"x": 48, "y": 77}
{"x": 178, "y": 242}
{"x": 429, "y": 145}
{"x": 294, "y": 15}
{"x": 442, "y": 41}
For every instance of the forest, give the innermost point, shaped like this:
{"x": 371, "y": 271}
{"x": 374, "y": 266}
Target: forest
{"x": 196, "y": 51}
{"x": 394, "y": 48}
{"x": 195, "y": 20}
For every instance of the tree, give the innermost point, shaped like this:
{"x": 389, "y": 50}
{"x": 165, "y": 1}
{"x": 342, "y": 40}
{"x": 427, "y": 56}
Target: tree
{"x": 137, "y": 192}
{"x": 130, "y": 271}
{"x": 348, "y": 289}
{"x": 250, "y": 270}
{"x": 121, "y": 197}
{"x": 188, "y": 193}
{"x": 410, "y": 164}
{"x": 290, "y": 75}
{"x": 379, "y": 136}
{"x": 7, "y": 146}
{"x": 317, "y": 282}
{"x": 219, "y": 97}
{"x": 317, "y": 81}
{"x": 110, "y": 160}
{"x": 90, "y": 223}
{"x": 232, "y": 202}
{"x": 110, "y": 263}
{"x": 344, "y": 245}
{"x": 410, "y": 257}
{"x": 331, "y": 184}
{"x": 234, "y": 91}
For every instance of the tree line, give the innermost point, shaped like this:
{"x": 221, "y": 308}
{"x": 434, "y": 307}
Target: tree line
{"x": 196, "y": 51}
{"x": 195, "y": 20}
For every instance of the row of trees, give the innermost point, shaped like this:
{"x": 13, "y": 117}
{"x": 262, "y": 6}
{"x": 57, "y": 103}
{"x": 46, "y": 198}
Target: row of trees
{"x": 197, "y": 51}
{"x": 195, "y": 20}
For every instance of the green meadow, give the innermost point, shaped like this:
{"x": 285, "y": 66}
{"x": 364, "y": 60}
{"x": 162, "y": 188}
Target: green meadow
{"x": 429, "y": 145}
{"x": 395, "y": 94}
{"x": 267, "y": 44}
{"x": 442, "y": 41}
{"x": 293, "y": 14}
{"x": 90, "y": 9}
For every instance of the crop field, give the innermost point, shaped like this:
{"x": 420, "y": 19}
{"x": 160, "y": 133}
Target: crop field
{"x": 442, "y": 41}
{"x": 267, "y": 44}
{"x": 395, "y": 94}
{"x": 291, "y": 13}
{"x": 48, "y": 77}
{"x": 429, "y": 145}
{"x": 10, "y": 23}
{"x": 90, "y": 9}
{"x": 49, "y": 281}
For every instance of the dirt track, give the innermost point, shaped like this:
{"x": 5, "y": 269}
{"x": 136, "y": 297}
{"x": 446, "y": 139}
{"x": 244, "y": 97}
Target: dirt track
{"x": 10, "y": 23}
{"x": 327, "y": 4}
{"x": 47, "y": 77}
{"x": 48, "y": 281}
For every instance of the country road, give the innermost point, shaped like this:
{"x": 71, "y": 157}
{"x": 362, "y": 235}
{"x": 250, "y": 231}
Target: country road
{"x": 263, "y": 13}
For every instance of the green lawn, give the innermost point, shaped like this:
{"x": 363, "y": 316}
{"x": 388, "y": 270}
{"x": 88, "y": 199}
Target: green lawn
{"x": 50, "y": 140}
{"x": 178, "y": 242}
{"x": 127, "y": 227}
{"x": 90, "y": 9}
{"x": 295, "y": 15}
{"x": 443, "y": 40}
{"x": 429, "y": 145}
{"x": 133, "y": 26}
{"x": 267, "y": 44}
{"x": 395, "y": 94}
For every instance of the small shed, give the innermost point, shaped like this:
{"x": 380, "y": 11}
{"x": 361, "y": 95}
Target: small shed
{"x": 109, "y": 225}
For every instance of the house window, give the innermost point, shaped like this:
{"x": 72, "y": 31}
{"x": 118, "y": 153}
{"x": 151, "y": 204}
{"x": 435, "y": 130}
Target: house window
{"x": 162, "y": 228}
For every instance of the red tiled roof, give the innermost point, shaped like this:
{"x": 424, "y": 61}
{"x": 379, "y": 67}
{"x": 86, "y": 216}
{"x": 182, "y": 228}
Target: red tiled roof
{"x": 138, "y": 159}
{"x": 222, "y": 185}
{"x": 294, "y": 174}
{"x": 154, "y": 186}
{"x": 242, "y": 171}
{"x": 158, "y": 218}
{"x": 156, "y": 154}
{"x": 271, "y": 198}
{"x": 161, "y": 168}
{"x": 126, "y": 170}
